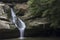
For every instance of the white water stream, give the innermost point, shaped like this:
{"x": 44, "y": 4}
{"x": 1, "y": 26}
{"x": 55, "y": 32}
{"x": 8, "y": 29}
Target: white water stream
{"x": 18, "y": 23}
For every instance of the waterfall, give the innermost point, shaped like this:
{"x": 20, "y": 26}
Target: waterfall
{"x": 18, "y": 23}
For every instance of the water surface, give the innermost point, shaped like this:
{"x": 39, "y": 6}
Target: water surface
{"x": 37, "y": 38}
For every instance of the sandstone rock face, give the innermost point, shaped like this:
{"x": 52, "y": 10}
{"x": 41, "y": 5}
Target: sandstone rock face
{"x": 27, "y": 17}
{"x": 3, "y": 23}
{"x": 30, "y": 21}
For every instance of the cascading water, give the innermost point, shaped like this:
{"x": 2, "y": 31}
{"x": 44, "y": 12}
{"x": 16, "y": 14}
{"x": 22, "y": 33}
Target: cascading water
{"x": 18, "y": 23}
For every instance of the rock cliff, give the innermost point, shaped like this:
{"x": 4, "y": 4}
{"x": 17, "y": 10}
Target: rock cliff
{"x": 3, "y": 19}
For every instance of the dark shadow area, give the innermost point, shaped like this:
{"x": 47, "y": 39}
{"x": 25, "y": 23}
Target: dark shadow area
{"x": 13, "y": 1}
{"x": 4, "y": 19}
{"x": 6, "y": 33}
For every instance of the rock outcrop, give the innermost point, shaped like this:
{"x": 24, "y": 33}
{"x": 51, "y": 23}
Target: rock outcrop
{"x": 21, "y": 11}
{"x": 3, "y": 18}
{"x": 28, "y": 18}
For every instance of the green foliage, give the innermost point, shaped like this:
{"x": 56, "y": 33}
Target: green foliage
{"x": 36, "y": 7}
{"x": 49, "y": 9}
